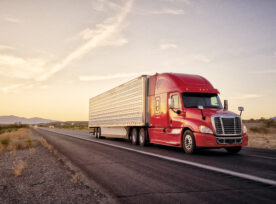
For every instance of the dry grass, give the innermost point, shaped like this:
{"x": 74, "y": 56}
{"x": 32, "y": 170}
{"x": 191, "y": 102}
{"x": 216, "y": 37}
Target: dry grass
{"x": 18, "y": 168}
{"x": 12, "y": 141}
{"x": 261, "y": 140}
{"x": 31, "y": 150}
{"x": 261, "y": 136}
{"x": 75, "y": 178}
{"x": 45, "y": 144}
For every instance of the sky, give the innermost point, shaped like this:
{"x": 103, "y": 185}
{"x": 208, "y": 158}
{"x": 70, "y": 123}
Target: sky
{"x": 56, "y": 54}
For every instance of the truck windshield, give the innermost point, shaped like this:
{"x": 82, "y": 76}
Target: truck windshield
{"x": 207, "y": 100}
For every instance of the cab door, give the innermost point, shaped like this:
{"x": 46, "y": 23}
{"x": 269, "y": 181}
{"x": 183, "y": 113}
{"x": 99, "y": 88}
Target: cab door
{"x": 176, "y": 115}
{"x": 159, "y": 119}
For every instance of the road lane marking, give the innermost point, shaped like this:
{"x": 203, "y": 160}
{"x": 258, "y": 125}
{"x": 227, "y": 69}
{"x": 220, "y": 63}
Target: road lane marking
{"x": 202, "y": 166}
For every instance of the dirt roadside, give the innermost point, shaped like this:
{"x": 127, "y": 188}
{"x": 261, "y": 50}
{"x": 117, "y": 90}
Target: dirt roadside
{"x": 42, "y": 175}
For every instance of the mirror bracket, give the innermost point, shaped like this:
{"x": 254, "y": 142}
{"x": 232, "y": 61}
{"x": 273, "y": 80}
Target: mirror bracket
{"x": 241, "y": 109}
{"x": 201, "y": 110}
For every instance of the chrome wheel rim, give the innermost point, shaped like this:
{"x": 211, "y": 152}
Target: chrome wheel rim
{"x": 188, "y": 142}
{"x": 141, "y": 138}
{"x": 134, "y": 137}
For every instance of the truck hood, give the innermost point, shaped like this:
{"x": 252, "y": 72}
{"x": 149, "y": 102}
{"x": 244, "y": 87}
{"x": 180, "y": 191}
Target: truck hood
{"x": 194, "y": 114}
{"x": 208, "y": 112}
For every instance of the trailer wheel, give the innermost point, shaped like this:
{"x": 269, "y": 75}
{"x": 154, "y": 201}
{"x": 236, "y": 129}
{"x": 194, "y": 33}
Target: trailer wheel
{"x": 143, "y": 137}
{"x": 233, "y": 150}
{"x": 99, "y": 133}
{"x": 134, "y": 136}
{"x": 188, "y": 142}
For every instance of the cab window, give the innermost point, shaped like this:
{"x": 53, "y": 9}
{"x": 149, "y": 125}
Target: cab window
{"x": 176, "y": 101}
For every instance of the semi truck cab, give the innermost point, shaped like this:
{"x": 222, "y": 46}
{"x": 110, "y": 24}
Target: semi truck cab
{"x": 186, "y": 111}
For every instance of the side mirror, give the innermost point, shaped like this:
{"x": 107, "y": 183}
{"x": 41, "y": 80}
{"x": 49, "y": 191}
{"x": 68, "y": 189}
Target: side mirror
{"x": 225, "y": 104}
{"x": 171, "y": 103}
{"x": 241, "y": 109}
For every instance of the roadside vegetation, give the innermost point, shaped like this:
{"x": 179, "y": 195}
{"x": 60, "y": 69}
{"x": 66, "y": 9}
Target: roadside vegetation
{"x": 74, "y": 125}
{"x": 262, "y": 133}
{"x": 11, "y": 128}
{"x": 32, "y": 172}
{"x": 13, "y": 138}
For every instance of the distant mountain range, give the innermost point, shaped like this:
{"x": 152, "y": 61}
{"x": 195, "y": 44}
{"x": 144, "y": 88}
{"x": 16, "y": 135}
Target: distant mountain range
{"x": 11, "y": 119}
{"x": 274, "y": 118}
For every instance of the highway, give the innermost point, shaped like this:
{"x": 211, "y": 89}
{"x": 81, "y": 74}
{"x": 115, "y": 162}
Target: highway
{"x": 159, "y": 174}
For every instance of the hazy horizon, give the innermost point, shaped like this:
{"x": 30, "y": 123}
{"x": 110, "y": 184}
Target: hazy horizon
{"x": 55, "y": 55}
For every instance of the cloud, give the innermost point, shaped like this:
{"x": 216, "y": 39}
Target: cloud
{"x": 111, "y": 76}
{"x": 11, "y": 87}
{"x": 88, "y": 33}
{"x": 35, "y": 70}
{"x": 8, "y": 60}
{"x": 248, "y": 96}
{"x": 17, "y": 67}
{"x": 201, "y": 58}
{"x": 165, "y": 46}
{"x": 169, "y": 12}
{"x": 270, "y": 71}
{"x": 5, "y": 47}
{"x": 183, "y": 1}
{"x": 95, "y": 38}
{"x": 104, "y": 5}
{"x": 13, "y": 20}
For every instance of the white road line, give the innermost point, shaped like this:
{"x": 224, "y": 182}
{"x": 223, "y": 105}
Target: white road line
{"x": 203, "y": 166}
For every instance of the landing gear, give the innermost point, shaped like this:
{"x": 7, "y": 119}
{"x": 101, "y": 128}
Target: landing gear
{"x": 98, "y": 133}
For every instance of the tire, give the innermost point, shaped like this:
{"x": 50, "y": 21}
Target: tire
{"x": 188, "y": 142}
{"x": 134, "y": 136}
{"x": 143, "y": 137}
{"x": 100, "y": 133}
{"x": 233, "y": 150}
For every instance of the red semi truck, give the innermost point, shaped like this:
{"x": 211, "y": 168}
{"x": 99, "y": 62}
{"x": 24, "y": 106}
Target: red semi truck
{"x": 171, "y": 109}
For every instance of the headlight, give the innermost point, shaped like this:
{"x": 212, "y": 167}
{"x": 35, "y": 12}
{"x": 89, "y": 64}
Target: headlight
{"x": 205, "y": 129}
{"x": 244, "y": 128}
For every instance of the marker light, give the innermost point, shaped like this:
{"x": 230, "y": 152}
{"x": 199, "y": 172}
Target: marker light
{"x": 204, "y": 129}
{"x": 244, "y": 128}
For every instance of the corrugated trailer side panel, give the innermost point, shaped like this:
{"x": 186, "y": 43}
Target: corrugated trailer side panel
{"x": 124, "y": 105}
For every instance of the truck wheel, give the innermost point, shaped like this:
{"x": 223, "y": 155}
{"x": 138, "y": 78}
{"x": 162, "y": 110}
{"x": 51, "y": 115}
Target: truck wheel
{"x": 188, "y": 142}
{"x": 134, "y": 136}
{"x": 233, "y": 150}
{"x": 143, "y": 137}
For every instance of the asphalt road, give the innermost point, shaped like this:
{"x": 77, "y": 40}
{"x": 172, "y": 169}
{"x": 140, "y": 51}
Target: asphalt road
{"x": 133, "y": 177}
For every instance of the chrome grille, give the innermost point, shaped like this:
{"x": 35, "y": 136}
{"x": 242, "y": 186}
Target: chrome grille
{"x": 227, "y": 126}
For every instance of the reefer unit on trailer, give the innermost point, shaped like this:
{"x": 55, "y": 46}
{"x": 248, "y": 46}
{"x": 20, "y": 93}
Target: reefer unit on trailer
{"x": 172, "y": 109}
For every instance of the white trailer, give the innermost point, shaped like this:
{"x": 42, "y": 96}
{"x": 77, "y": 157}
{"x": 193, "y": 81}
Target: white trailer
{"x": 112, "y": 113}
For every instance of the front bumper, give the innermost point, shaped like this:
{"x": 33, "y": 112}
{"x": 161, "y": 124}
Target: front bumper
{"x": 208, "y": 140}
